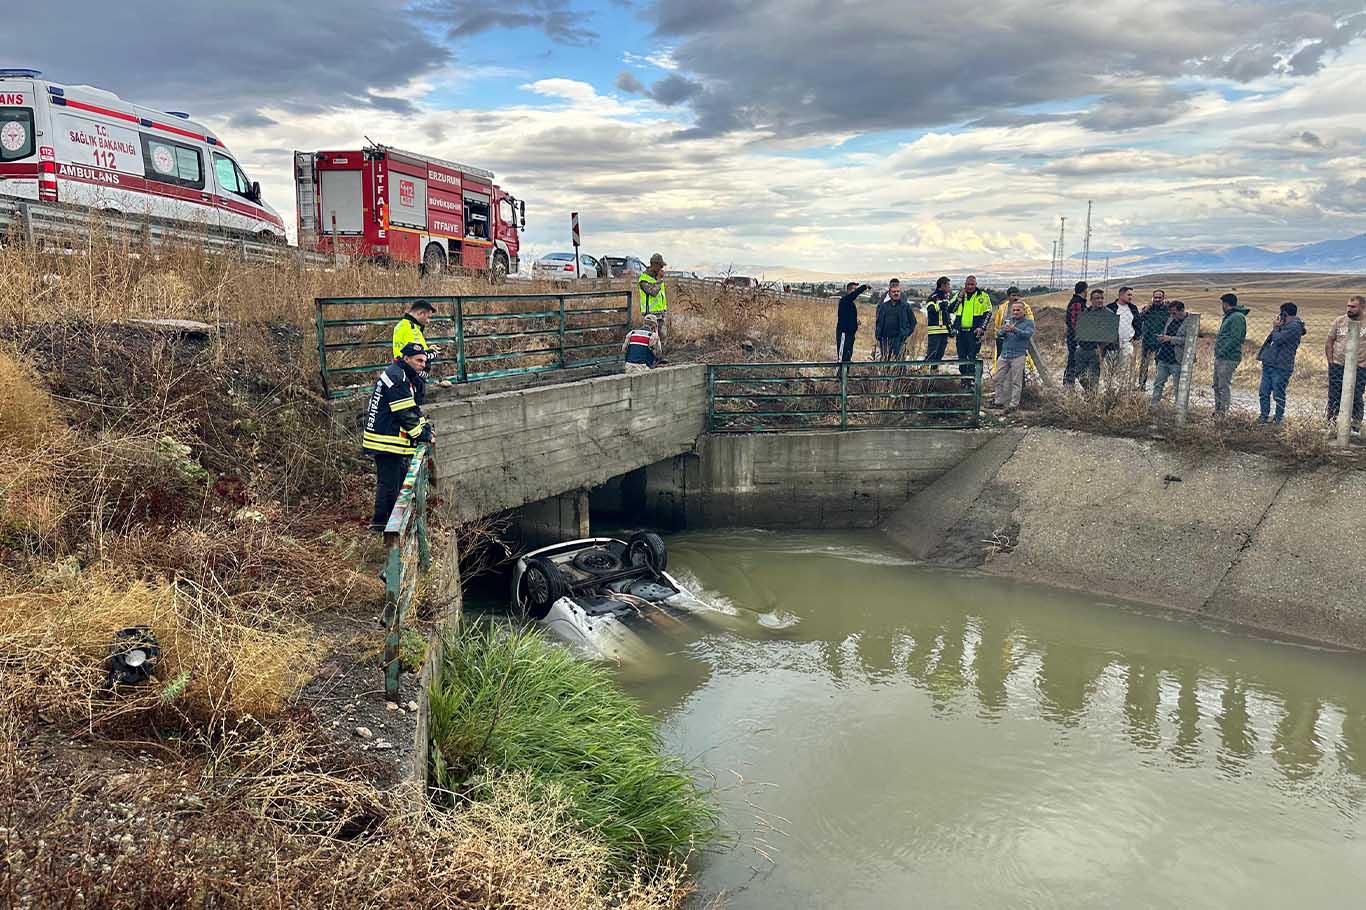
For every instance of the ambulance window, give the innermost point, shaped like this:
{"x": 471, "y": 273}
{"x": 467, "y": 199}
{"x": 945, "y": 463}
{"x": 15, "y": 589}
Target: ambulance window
{"x": 171, "y": 162}
{"x": 16, "y": 133}
{"x": 226, "y": 173}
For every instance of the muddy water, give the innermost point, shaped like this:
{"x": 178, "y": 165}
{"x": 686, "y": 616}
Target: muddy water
{"x": 887, "y": 735}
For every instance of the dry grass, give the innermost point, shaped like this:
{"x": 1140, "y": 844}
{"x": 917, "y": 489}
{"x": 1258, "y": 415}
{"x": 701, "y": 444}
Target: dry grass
{"x": 219, "y": 661}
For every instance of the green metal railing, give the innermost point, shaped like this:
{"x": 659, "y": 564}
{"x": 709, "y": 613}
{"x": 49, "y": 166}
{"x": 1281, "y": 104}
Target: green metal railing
{"x": 775, "y": 397}
{"x": 481, "y": 336}
{"x": 408, "y": 557}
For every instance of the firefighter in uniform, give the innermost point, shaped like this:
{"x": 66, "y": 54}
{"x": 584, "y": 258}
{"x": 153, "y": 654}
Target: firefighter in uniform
{"x": 641, "y": 346}
{"x": 974, "y": 308}
{"x": 394, "y": 425}
{"x": 937, "y": 315}
{"x": 653, "y": 300}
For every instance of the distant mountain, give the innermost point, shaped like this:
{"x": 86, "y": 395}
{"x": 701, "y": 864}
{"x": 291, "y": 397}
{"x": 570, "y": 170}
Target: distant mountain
{"x": 1325, "y": 256}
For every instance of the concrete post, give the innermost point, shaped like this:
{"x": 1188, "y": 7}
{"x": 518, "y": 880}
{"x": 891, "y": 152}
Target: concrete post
{"x": 1045, "y": 377}
{"x": 1349, "y": 385}
{"x": 581, "y": 513}
{"x": 26, "y": 217}
{"x": 1183, "y": 389}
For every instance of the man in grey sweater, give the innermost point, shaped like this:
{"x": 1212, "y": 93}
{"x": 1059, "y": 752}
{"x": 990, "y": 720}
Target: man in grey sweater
{"x": 1013, "y": 344}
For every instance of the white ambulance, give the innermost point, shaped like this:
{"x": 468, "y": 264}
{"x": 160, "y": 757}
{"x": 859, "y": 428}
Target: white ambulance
{"x": 85, "y": 146}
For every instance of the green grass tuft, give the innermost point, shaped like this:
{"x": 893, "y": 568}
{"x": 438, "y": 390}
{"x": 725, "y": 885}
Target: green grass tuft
{"x": 513, "y": 702}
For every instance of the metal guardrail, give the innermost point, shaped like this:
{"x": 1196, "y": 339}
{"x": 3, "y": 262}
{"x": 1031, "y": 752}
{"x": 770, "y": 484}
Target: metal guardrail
{"x": 778, "y": 397}
{"x": 68, "y": 226}
{"x": 409, "y": 555}
{"x": 534, "y": 333}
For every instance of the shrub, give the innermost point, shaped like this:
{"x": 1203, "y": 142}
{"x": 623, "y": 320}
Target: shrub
{"x": 513, "y": 703}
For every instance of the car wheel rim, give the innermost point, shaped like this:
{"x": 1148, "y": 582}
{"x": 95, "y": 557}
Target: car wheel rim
{"x": 538, "y": 588}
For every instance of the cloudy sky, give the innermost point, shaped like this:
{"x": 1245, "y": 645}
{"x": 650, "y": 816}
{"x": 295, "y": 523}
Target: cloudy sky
{"x": 882, "y": 135}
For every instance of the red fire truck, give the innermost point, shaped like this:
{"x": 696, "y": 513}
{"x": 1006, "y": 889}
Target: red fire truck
{"x": 404, "y": 207}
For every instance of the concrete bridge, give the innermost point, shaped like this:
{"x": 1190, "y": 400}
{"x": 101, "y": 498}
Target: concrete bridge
{"x": 643, "y": 437}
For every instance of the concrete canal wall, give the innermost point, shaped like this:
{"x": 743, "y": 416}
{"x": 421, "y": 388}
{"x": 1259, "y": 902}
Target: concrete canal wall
{"x": 801, "y": 480}
{"x": 1236, "y": 537}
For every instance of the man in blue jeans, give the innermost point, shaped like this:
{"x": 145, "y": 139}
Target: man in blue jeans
{"x": 1278, "y": 360}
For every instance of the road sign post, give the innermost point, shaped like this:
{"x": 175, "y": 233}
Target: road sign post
{"x": 574, "y": 232}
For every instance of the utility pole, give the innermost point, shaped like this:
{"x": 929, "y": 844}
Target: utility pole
{"x": 1086, "y": 245}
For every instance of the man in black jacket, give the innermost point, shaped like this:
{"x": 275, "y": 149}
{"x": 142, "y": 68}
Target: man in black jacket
{"x": 846, "y": 322}
{"x": 394, "y": 426}
{"x": 1074, "y": 308}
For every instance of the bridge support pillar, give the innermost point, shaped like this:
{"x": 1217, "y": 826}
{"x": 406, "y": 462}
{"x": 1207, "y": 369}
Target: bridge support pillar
{"x": 552, "y": 520}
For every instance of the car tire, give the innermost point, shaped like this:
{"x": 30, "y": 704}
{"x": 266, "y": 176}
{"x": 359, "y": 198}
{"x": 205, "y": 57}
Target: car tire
{"x": 597, "y": 561}
{"x": 646, "y": 548}
{"x": 433, "y": 261}
{"x": 499, "y": 273}
{"x": 544, "y": 584}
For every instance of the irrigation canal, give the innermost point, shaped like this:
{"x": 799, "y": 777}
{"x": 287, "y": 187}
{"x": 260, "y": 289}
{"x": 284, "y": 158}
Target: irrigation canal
{"x": 883, "y": 734}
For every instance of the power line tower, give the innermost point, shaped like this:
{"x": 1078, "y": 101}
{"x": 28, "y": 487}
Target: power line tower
{"x": 1107, "y": 269}
{"x": 1086, "y": 244}
{"x": 1053, "y": 267}
{"x": 1062, "y": 246}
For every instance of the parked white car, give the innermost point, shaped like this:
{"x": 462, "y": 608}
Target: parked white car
{"x": 560, "y": 267}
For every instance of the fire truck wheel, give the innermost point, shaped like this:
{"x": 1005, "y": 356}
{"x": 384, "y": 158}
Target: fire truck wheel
{"x": 500, "y": 268}
{"x": 433, "y": 260}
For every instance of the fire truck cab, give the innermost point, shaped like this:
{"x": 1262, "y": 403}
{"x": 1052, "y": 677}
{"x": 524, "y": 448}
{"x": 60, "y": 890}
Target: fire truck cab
{"x": 86, "y": 146}
{"x": 399, "y": 206}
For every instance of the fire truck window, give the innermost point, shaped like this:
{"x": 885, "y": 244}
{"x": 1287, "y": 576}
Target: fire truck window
{"x": 16, "y": 133}
{"x": 476, "y": 220}
{"x": 171, "y": 162}
{"x": 506, "y": 215}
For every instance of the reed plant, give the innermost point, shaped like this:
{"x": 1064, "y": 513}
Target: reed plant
{"x": 513, "y": 703}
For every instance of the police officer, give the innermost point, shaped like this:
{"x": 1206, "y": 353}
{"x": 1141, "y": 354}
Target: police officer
{"x": 653, "y": 300}
{"x": 394, "y": 425}
{"x": 974, "y": 308}
{"x": 410, "y": 327}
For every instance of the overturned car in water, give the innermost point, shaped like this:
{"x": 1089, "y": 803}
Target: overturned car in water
{"x": 598, "y": 593}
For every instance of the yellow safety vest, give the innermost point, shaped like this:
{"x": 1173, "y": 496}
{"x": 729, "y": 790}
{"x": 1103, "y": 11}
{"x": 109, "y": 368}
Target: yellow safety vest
{"x": 407, "y": 330}
{"x": 979, "y": 304}
{"x": 653, "y": 300}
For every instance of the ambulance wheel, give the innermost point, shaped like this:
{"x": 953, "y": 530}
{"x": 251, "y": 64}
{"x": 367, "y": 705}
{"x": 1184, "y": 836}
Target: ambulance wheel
{"x": 433, "y": 260}
{"x": 271, "y": 237}
{"x": 647, "y": 549}
{"x": 500, "y": 268}
{"x": 542, "y": 585}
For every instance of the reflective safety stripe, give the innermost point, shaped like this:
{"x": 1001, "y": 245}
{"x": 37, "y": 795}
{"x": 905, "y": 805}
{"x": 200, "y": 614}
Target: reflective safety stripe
{"x": 402, "y": 404}
{"x": 397, "y": 444}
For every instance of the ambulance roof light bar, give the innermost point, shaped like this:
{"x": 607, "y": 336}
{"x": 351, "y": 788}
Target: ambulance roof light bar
{"x": 20, "y": 72}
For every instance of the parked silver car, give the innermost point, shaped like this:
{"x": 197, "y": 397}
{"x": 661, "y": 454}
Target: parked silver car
{"x": 560, "y": 267}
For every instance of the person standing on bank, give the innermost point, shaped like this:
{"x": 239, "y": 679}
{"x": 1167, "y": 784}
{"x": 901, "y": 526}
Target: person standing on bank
{"x": 1074, "y": 308}
{"x": 1228, "y": 350}
{"x": 1012, "y": 349}
{"x": 409, "y": 329}
{"x": 937, "y": 314}
{"x": 653, "y": 299}
{"x": 394, "y": 425}
{"x": 1129, "y": 326}
{"x": 974, "y": 309}
{"x": 1089, "y": 352}
{"x": 1336, "y": 352}
{"x": 846, "y": 321}
{"x": 1171, "y": 351}
{"x": 895, "y": 323}
{"x": 1277, "y": 357}
{"x": 641, "y": 346}
{"x": 1154, "y": 319}
{"x": 999, "y": 318}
